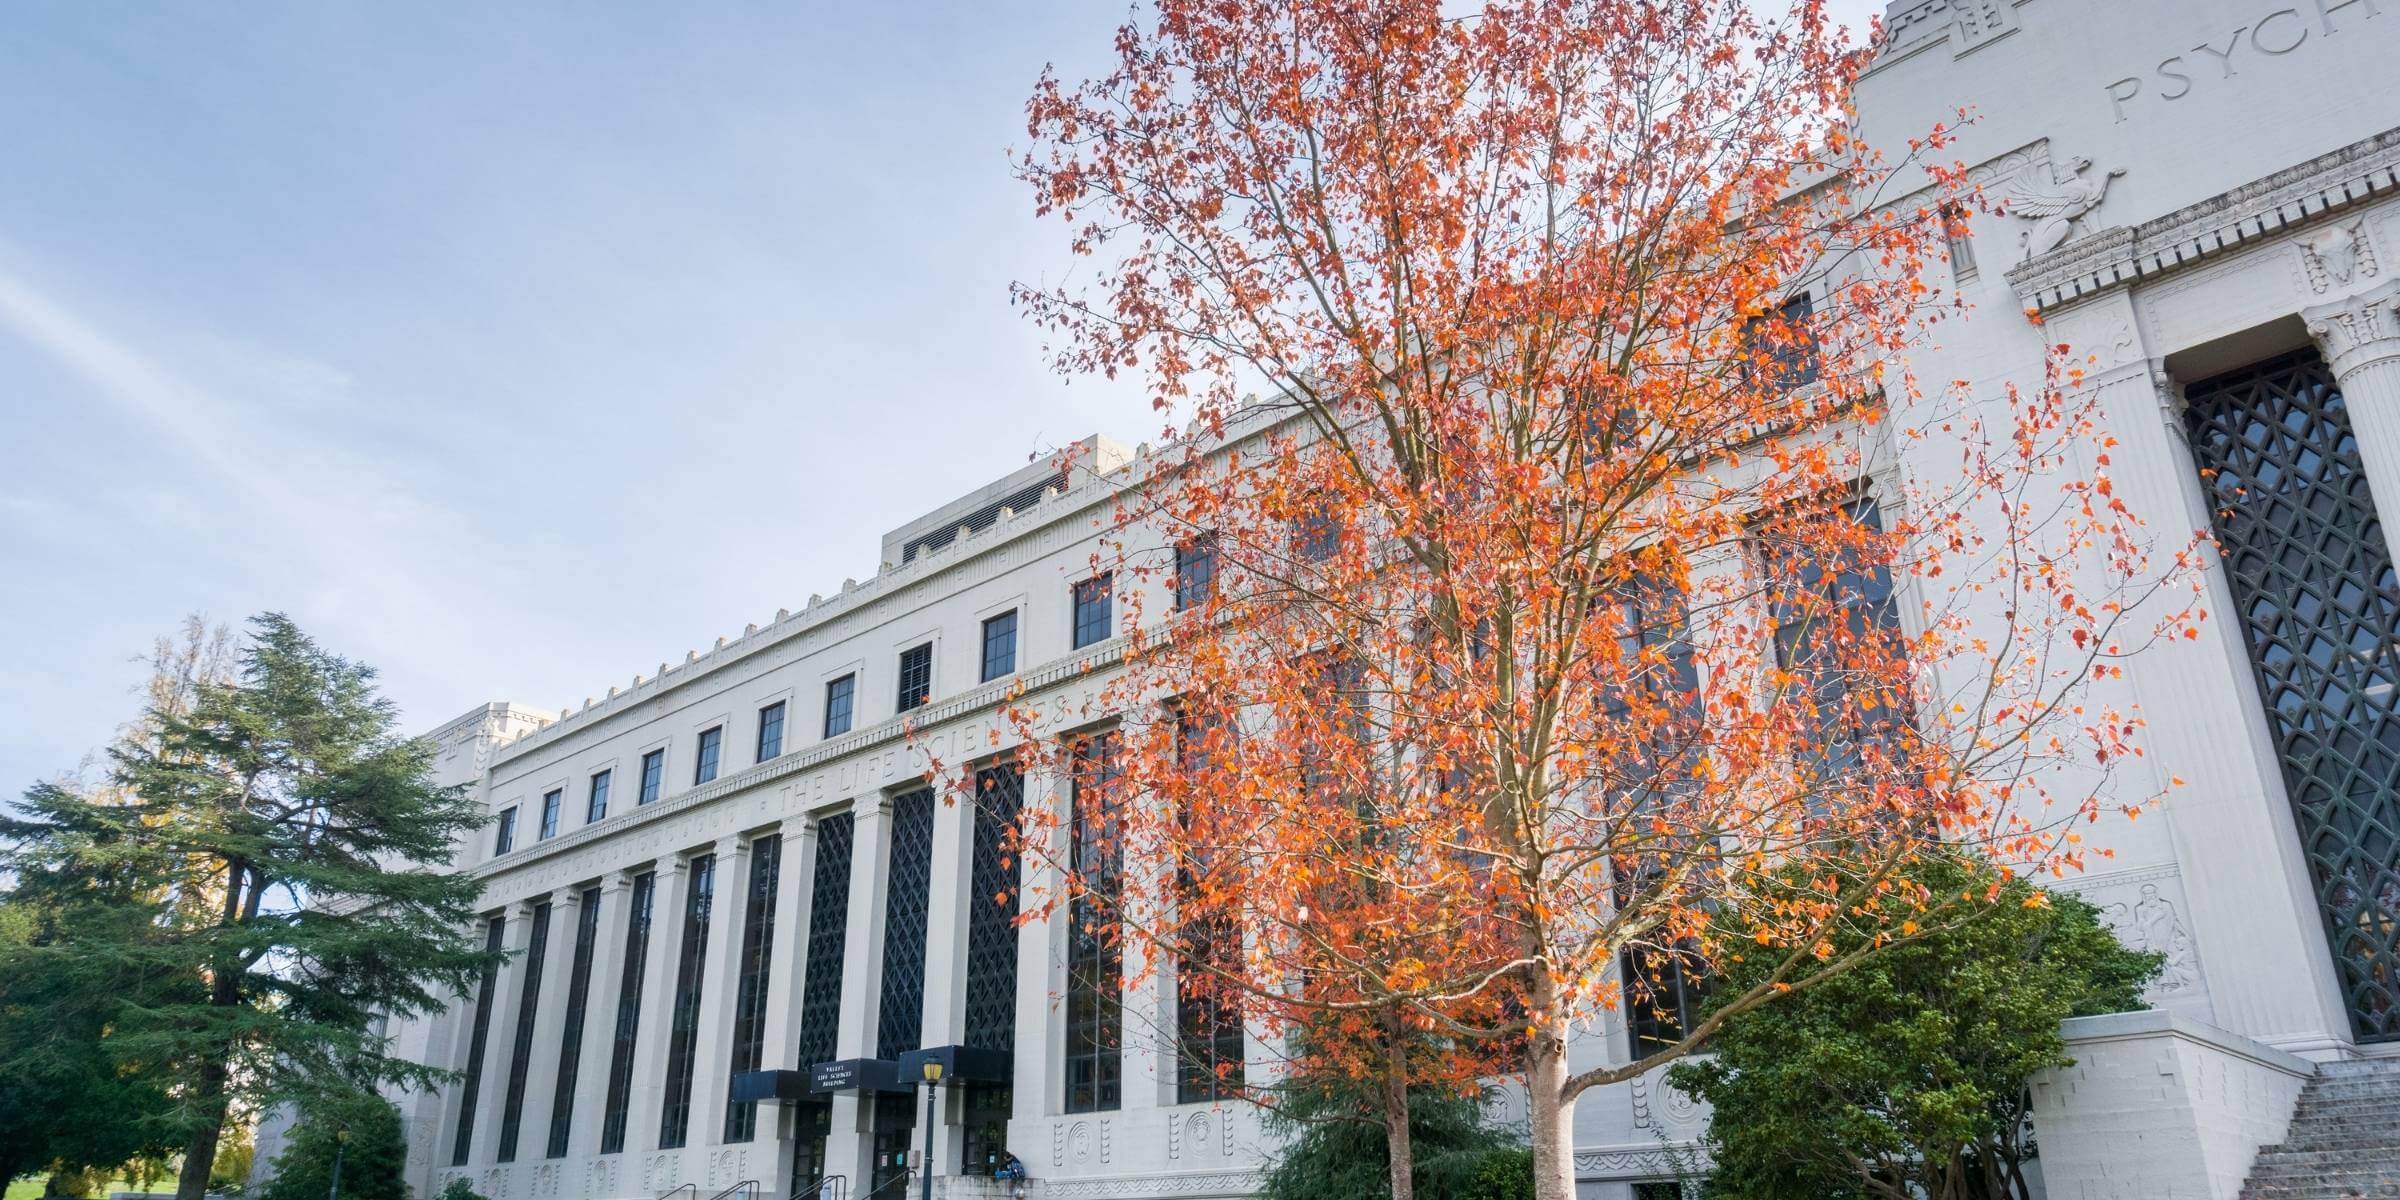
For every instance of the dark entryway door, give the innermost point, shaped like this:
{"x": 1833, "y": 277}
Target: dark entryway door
{"x": 895, "y": 1131}
{"x": 2316, "y": 596}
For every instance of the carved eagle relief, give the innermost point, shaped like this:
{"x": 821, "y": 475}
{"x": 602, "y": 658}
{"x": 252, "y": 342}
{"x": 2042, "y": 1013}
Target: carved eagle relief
{"x": 2055, "y": 204}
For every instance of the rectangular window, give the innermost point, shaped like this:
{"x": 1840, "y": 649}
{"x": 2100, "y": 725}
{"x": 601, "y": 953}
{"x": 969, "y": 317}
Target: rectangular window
{"x": 551, "y": 801}
{"x": 520, "y": 1052}
{"x": 1837, "y": 631}
{"x": 999, "y": 645}
{"x": 1095, "y": 1061}
{"x": 770, "y": 731}
{"x": 683, "y": 1033}
{"x": 1195, "y": 571}
{"x": 654, "y": 777}
{"x": 1316, "y": 536}
{"x": 828, "y": 929}
{"x": 1094, "y": 609}
{"x": 1662, "y": 999}
{"x": 595, "y": 804}
{"x": 570, "y": 1038}
{"x": 506, "y": 839}
{"x": 1962, "y": 242}
{"x": 1783, "y": 345}
{"x": 840, "y": 696}
{"x": 753, "y": 980}
{"x": 712, "y": 744}
{"x": 916, "y": 677}
{"x": 629, "y": 1013}
{"x": 472, "y": 1084}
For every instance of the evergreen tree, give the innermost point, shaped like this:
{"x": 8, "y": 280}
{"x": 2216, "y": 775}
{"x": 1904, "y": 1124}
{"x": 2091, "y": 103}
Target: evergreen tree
{"x": 1332, "y": 1146}
{"x": 374, "y": 1158}
{"x": 1907, "y": 1077}
{"x": 270, "y": 822}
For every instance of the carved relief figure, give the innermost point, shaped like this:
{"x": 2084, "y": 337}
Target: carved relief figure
{"x": 2151, "y": 923}
{"x": 2055, "y": 204}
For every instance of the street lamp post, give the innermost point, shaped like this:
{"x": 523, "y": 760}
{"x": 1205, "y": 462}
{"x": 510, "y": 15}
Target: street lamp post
{"x": 933, "y": 1076}
{"x": 341, "y": 1142}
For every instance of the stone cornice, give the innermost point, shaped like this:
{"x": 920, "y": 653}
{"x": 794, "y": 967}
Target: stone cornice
{"x": 981, "y": 551}
{"x": 2287, "y": 200}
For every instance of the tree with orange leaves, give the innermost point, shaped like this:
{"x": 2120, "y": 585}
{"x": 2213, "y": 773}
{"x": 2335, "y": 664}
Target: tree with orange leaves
{"x": 1592, "y": 562}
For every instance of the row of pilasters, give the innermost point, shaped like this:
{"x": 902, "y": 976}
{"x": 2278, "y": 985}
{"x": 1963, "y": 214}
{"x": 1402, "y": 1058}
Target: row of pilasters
{"x": 2260, "y": 941}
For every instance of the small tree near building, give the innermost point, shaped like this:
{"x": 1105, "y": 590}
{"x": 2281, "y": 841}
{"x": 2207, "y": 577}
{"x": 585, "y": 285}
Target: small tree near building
{"x": 374, "y": 1157}
{"x": 1907, "y": 1077}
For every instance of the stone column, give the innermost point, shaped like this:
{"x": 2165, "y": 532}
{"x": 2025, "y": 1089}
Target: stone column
{"x": 945, "y": 1019}
{"x": 549, "y": 1025}
{"x": 491, "y": 1098}
{"x": 712, "y": 1043}
{"x": 849, "y": 1150}
{"x": 600, "y": 1015}
{"x": 1041, "y": 976}
{"x": 2360, "y": 336}
{"x": 788, "y": 963}
{"x": 642, "y": 1114}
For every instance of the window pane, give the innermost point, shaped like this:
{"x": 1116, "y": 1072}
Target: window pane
{"x": 999, "y": 646}
{"x": 770, "y": 731}
{"x": 1093, "y": 610}
{"x": 629, "y": 1013}
{"x": 472, "y": 1085}
{"x": 551, "y": 801}
{"x": 520, "y": 1054}
{"x": 1195, "y": 571}
{"x": 654, "y": 772}
{"x": 1095, "y": 965}
{"x": 597, "y": 806}
{"x": 507, "y": 836}
{"x": 683, "y": 1033}
{"x": 752, "y": 980}
{"x": 838, "y": 697}
{"x": 712, "y": 743}
{"x": 916, "y": 677}
{"x": 570, "y": 1038}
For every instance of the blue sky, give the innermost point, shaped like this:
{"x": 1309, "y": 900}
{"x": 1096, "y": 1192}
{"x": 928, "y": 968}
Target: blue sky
{"x": 512, "y": 349}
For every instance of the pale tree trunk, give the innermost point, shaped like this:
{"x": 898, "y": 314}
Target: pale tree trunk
{"x": 1552, "y": 1112}
{"x": 1395, "y": 1115}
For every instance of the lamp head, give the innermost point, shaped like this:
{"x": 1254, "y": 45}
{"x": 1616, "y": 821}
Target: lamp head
{"x": 933, "y": 1071}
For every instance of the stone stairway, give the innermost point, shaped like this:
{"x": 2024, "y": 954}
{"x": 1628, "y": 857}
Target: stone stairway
{"x": 2344, "y": 1143}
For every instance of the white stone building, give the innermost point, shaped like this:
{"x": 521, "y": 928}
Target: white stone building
{"x": 727, "y": 864}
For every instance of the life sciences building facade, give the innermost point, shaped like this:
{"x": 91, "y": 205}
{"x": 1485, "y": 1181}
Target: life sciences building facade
{"x": 742, "y": 922}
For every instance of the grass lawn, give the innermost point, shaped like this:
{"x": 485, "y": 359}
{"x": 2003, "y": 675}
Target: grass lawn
{"x": 31, "y": 1189}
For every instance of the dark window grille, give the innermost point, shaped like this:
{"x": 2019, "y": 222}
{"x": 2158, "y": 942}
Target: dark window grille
{"x": 1095, "y": 1061}
{"x": 654, "y": 777}
{"x": 520, "y": 1052}
{"x": 992, "y": 911}
{"x": 552, "y": 801}
{"x": 754, "y": 981}
{"x": 629, "y": 1013}
{"x": 712, "y": 744}
{"x": 900, "y": 1019}
{"x": 916, "y": 677}
{"x": 1195, "y": 571}
{"x": 595, "y": 806}
{"x": 2319, "y": 604}
{"x": 472, "y": 1085}
{"x": 1317, "y": 535}
{"x": 828, "y": 929}
{"x": 999, "y": 645}
{"x": 506, "y": 839}
{"x": 570, "y": 1043}
{"x": 1095, "y": 602}
{"x": 985, "y": 517}
{"x": 770, "y": 731}
{"x": 840, "y": 696}
{"x": 1209, "y": 1050}
{"x": 683, "y": 1034}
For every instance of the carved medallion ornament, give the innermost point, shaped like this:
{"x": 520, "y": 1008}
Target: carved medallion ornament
{"x": 2053, "y": 201}
{"x": 2337, "y": 256}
